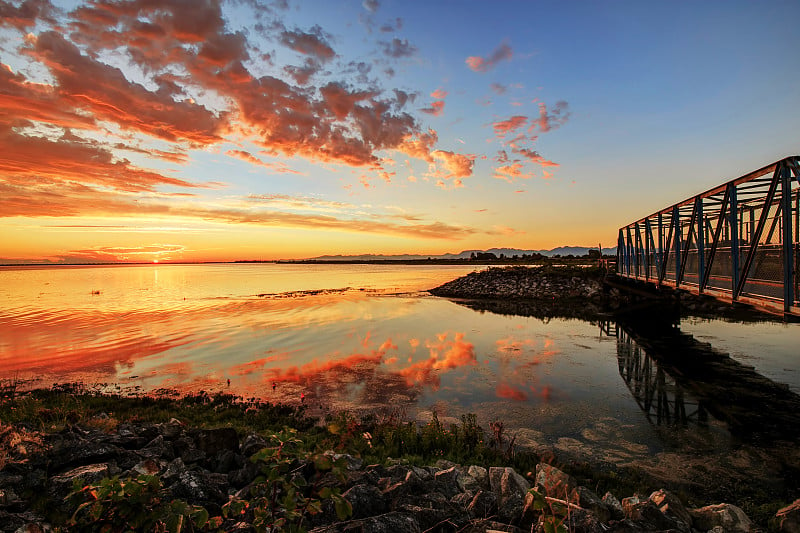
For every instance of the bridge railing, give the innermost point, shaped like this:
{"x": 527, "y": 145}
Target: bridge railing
{"x": 739, "y": 241}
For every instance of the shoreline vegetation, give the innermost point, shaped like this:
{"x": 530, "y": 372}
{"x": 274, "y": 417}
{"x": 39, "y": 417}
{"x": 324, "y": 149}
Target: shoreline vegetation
{"x": 75, "y": 460}
{"x": 72, "y": 459}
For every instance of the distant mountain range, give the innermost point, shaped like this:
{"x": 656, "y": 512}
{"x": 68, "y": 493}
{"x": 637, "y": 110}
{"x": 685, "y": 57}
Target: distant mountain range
{"x": 508, "y": 252}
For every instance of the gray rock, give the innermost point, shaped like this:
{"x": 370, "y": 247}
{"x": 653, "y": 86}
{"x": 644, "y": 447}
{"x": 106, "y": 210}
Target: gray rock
{"x": 489, "y": 526}
{"x": 397, "y": 490}
{"x": 614, "y": 505}
{"x": 475, "y": 478}
{"x": 483, "y": 505}
{"x": 185, "y": 449}
{"x": 62, "y": 484}
{"x": 353, "y": 463}
{"x": 788, "y": 518}
{"x": 148, "y": 467}
{"x": 173, "y": 471}
{"x": 555, "y": 483}
{"x": 159, "y": 447}
{"x": 447, "y": 481}
{"x": 226, "y": 461}
{"x": 462, "y": 500}
{"x": 646, "y": 514}
{"x": 671, "y": 506}
{"x": 172, "y": 429}
{"x": 214, "y": 441}
{"x": 731, "y": 518}
{"x": 367, "y": 500}
{"x": 25, "y": 521}
{"x": 507, "y": 484}
{"x": 583, "y": 521}
{"x": 592, "y": 502}
{"x": 253, "y": 443}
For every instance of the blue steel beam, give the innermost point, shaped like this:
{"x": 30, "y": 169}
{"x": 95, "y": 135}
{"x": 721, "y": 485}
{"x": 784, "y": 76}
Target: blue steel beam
{"x": 701, "y": 246}
{"x": 715, "y": 242}
{"x": 773, "y": 186}
{"x": 676, "y": 222}
{"x": 788, "y": 243}
{"x": 734, "y": 227}
{"x": 685, "y": 258}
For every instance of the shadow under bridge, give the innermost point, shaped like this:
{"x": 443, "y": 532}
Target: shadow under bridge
{"x": 679, "y": 381}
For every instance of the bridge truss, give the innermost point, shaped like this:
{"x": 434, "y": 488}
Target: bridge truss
{"x": 738, "y": 241}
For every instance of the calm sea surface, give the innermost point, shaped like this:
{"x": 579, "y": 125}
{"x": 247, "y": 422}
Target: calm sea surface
{"x": 367, "y": 337}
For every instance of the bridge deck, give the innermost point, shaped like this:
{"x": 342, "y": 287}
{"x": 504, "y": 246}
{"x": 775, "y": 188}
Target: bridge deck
{"x": 738, "y": 242}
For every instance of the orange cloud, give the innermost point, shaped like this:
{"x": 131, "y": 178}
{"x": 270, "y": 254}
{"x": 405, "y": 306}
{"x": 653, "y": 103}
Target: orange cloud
{"x": 420, "y": 145}
{"x": 184, "y": 49}
{"x": 25, "y": 15}
{"x": 511, "y": 172}
{"x": 114, "y": 254}
{"x": 69, "y": 158}
{"x": 457, "y": 165}
{"x": 105, "y": 92}
{"x": 480, "y": 64}
{"x": 534, "y": 157}
{"x": 250, "y": 158}
{"x": 436, "y": 108}
{"x": 504, "y": 127}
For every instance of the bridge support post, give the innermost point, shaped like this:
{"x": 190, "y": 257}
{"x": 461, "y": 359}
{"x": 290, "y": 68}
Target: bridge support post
{"x": 701, "y": 243}
{"x": 660, "y": 248}
{"x": 788, "y": 242}
{"x": 676, "y": 220}
{"x": 733, "y": 224}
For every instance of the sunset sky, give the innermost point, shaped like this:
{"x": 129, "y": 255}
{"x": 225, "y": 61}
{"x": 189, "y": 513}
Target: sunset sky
{"x": 192, "y": 130}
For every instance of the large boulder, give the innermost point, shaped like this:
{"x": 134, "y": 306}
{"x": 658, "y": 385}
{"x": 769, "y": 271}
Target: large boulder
{"x": 725, "y": 515}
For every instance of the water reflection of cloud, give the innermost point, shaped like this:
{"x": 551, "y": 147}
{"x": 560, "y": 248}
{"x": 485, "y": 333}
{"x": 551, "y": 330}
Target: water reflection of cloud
{"x": 519, "y": 358}
{"x": 508, "y": 392}
{"x": 257, "y": 365}
{"x": 76, "y": 344}
{"x": 444, "y": 355}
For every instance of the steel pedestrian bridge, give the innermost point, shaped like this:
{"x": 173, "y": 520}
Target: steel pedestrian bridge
{"x": 738, "y": 242}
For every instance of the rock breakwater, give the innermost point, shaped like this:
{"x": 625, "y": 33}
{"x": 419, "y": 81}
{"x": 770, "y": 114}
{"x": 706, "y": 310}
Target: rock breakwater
{"x": 526, "y": 283}
{"x": 567, "y": 292}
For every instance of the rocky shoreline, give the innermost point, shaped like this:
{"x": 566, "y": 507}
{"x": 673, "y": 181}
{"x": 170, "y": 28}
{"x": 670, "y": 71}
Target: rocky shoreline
{"x": 212, "y": 467}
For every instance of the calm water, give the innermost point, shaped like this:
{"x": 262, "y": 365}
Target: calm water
{"x": 366, "y": 337}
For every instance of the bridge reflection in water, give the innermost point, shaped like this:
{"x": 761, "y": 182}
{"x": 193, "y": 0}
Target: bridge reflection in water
{"x": 679, "y": 382}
